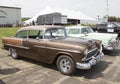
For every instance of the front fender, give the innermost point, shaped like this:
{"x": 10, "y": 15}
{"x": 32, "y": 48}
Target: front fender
{"x": 77, "y": 57}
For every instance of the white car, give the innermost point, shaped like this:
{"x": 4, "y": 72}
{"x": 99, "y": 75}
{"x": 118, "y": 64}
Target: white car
{"x": 109, "y": 41}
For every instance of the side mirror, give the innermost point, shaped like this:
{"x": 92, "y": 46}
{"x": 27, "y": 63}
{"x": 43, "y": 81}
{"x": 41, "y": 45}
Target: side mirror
{"x": 85, "y": 33}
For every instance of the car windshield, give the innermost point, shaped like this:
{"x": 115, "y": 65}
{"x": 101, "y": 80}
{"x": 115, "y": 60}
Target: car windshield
{"x": 55, "y": 32}
{"x": 86, "y": 30}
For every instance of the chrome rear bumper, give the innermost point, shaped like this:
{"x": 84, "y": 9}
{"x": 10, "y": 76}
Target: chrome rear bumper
{"x": 91, "y": 62}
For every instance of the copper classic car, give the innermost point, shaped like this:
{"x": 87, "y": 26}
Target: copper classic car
{"x": 49, "y": 44}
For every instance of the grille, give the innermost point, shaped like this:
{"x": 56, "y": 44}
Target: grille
{"x": 92, "y": 53}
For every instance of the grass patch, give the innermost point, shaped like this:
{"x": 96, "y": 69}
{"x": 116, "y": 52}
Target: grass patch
{"x": 7, "y": 32}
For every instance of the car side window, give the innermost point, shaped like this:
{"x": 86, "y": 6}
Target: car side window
{"x": 102, "y": 25}
{"x": 48, "y": 34}
{"x": 73, "y": 31}
{"x": 22, "y": 34}
{"x": 58, "y": 32}
{"x": 55, "y": 33}
{"x": 35, "y": 34}
{"x": 84, "y": 30}
{"x": 110, "y": 25}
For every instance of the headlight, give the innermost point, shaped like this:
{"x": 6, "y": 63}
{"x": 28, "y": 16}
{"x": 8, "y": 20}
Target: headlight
{"x": 110, "y": 43}
{"x": 112, "y": 40}
{"x": 101, "y": 47}
{"x": 86, "y": 52}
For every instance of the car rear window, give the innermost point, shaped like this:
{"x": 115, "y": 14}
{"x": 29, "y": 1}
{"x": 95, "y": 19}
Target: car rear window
{"x": 21, "y": 34}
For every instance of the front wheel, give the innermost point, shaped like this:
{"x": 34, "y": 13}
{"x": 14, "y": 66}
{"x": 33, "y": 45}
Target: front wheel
{"x": 13, "y": 53}
{"x": 66, "y": 65}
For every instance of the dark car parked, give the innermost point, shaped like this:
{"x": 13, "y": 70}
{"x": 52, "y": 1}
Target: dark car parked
{"x": 108, "y": 27}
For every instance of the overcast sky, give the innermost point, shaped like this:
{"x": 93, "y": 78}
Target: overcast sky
{"x": 91, "y": 8}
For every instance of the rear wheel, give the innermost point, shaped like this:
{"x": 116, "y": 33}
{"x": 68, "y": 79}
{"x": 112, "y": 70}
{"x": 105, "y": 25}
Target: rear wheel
{"x": 66, "y": 65}
{"x": 13, "y": 53}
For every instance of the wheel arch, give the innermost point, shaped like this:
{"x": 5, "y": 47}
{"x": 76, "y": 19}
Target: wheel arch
{"x": 62, "y": 53}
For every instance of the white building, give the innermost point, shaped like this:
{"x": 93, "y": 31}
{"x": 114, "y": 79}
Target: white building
{"x": 10, "y": 16}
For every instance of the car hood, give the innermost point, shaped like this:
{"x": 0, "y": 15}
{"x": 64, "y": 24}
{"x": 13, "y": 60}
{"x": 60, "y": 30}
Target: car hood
{"x": 74, "y": 42}
{"x": 104, "y": 37}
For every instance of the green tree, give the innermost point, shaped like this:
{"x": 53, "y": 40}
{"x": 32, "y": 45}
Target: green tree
{"x": 112, "y": 19}
{"x": 118, "y": 19}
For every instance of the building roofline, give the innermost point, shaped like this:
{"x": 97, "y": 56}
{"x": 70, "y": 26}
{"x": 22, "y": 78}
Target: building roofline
{"x": 10, "y": 7}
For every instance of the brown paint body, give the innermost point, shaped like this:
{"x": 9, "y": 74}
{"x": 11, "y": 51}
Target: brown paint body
{"x": 45, "y": 50}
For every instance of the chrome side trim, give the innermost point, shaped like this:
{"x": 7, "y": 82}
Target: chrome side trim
{"x": 17, "y": 46}
{"x": 75, "y": 51}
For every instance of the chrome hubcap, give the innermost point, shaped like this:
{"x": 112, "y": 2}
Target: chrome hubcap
{"x": 65, "y": 65}
{"x": 13, "y": 53}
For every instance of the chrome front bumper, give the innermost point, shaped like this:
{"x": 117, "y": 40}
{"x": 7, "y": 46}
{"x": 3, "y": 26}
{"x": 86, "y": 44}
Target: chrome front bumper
{"x": 91, "y": 62}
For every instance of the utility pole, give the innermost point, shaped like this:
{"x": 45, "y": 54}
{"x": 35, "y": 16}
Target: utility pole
{"x": 107, "y": 11}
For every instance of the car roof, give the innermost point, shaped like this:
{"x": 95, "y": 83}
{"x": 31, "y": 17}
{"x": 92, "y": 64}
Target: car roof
{"x": 106, "y": 22}
{"x": 39, "y": 27}
{"x": 78, "y": 26}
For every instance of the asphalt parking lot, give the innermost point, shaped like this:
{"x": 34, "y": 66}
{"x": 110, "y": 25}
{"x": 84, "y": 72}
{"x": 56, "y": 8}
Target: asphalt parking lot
{"x": 26, "y": 71}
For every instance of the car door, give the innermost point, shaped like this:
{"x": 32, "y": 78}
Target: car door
{"x": 36, "y": 45}
{"x": 22, "y": 51}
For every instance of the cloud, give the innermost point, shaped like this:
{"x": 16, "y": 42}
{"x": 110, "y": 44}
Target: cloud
{"x": 91, "y": 8}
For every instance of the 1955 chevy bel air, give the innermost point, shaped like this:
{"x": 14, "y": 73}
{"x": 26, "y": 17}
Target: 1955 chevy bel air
{"x": 50, "y": 44}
